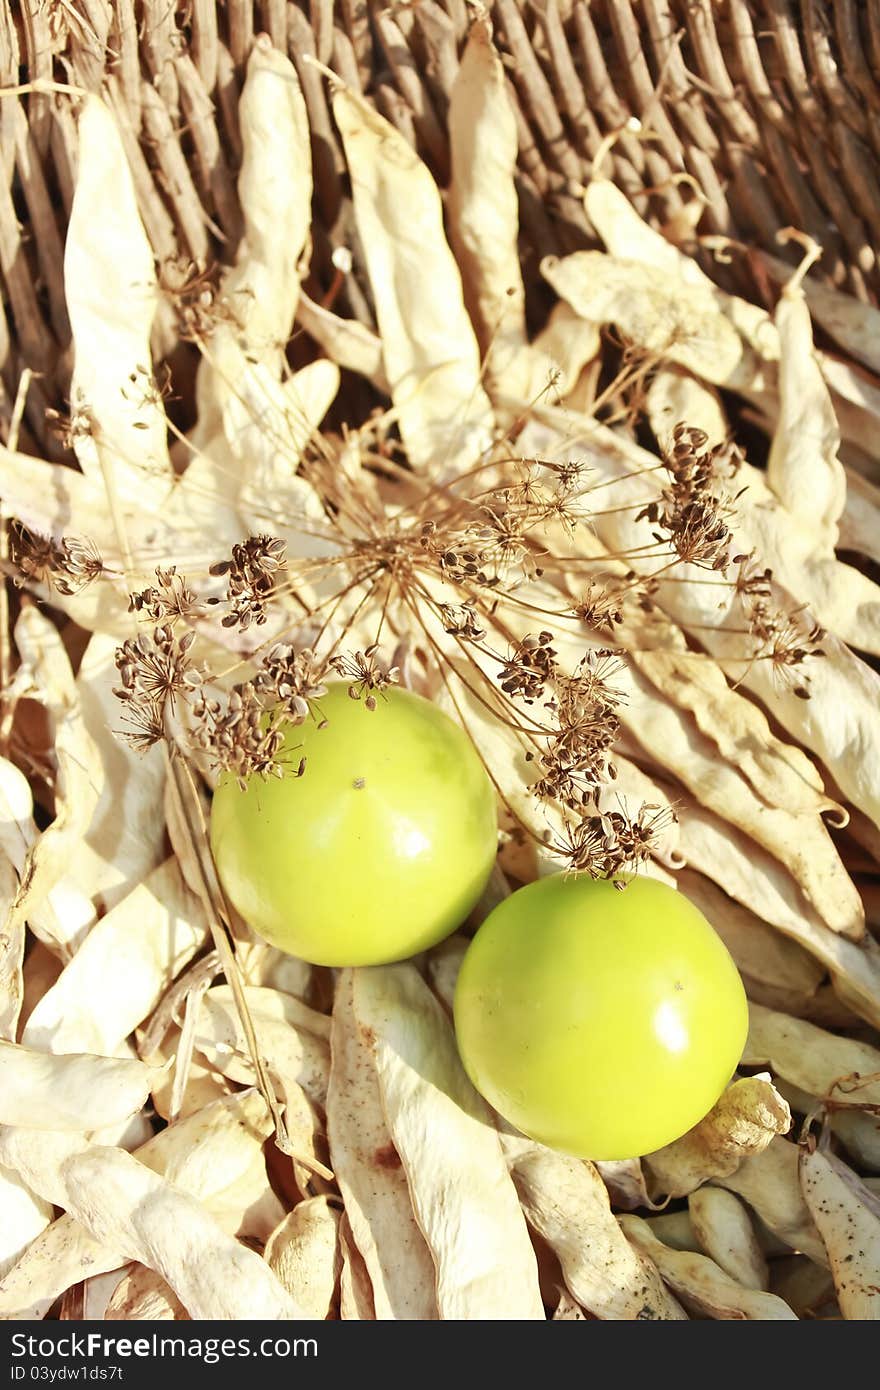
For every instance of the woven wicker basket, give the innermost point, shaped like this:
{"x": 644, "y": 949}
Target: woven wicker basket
{"x": 770, "y": 108}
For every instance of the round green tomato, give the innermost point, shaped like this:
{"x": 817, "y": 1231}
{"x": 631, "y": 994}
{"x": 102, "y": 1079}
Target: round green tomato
{"x": 604, "y": 1022}
{"x": 379, "y": 850}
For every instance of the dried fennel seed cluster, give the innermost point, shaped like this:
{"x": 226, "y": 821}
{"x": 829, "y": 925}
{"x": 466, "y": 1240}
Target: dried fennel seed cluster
{"x": 441, "y": 579}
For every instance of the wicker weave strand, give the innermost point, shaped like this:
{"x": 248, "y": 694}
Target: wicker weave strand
{"x": 766, "y": 111}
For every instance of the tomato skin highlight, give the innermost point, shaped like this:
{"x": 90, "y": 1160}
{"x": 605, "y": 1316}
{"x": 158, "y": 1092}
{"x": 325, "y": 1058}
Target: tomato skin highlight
{"x": 378, "y": 851}
{"x": 599, "y": 1021}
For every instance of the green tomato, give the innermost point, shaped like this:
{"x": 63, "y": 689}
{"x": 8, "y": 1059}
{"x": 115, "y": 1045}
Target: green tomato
{"x": 604, "y": 1022}
{"x": 379, "y": 850}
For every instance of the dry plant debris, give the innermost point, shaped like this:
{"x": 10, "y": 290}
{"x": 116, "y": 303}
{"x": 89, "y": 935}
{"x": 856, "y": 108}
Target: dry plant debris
{"x": 664, "y": 652}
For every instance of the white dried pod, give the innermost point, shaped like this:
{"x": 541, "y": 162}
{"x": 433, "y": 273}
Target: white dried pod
{"x": 126, "y": 963}
{"x": 803, "y": 467}
{"x": 676, "y": 397}
{"x": 772, "y": 965}
{"x": 216, "y": 1155}
{"x": 355, "y": 1291}
{"x": 780, "y": 773}
{"x": 123, "y": 1203}
{"x": 444, "y": 963}
{"x": 258, "y": 297}
{"x": 292, "y": 1039}
{"x": 430, "y": 350}
{"x": 53, "y": 500}
{"x": 56, "y": 500}
{"x": 12, "y": 940}
{"x": 462, "y": 1194}
{"x": 863, "y": 1189}
{"x": 141, "y": 1295}
{"x": 41, "y": 970}
{"x": 267, "y": 425}
{"x": 275, "y": 190}
{"x": 347, "y": 342}
{"x": 483, "y": 207}
{"x": 23, "y": 1217}
{"x": 203, "y": 1083}
{"x": 840, "y": 597}
{"x": 625, "y": 1181}
{"x": 270, "y": 967}
{"x": 843, "y": 599}
{"x": 111, "y": 293}
{"x": 125, "y": 838}
{"x": 843, "y": 1070}
{"x": 700, "y": 1283}
{"x": 848, "y": 1220}
{"x": 851, "y": 322}
{"x": 502, "y": 749}
{"x": 800, "y": 842}
{"x": 303, "y": 1252}
{"x": 382, "y": 1227}
{"x": 628, "y": 236}
{"x": 807, "y": 1288}
{"x": 858, "y": 1130}
{"x": 224, "y": 1169}
{"x": 17, "y": 828}
{"x": 675, "y": 1229}
{"x": 848, "y": 748}
{"x": 750, "y": 876}
{"x": 46, "y": 669}
{"x": 93, "y": 1296}
{"x": 769, "y": 1183}
{"x": 567, "y": 1310}
{"x": 742, "y": 1123}
{"x": 567, "y": 1203}
{"x": 675, "y": 320}
{"x": 78, "y": 1091}
{"x": 553, "y": 362}
{"x": 725, "y": 1232}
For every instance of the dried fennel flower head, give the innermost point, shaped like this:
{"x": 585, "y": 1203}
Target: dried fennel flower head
{"x": 788, "y": 640}
{"x": 236, "y": 735}
{"x": 575, "y": 756}
{"x": 242, "y": 730}
{"x": 251, "y": 575}
{"x": 191, "y": 288}
{"x": 468, "y": 572}
{"x": 67, "y": 564}
{"x": 155, "y": 670}
{"x": 692, "y": 512}
{"x": 612, "y": 844}
{"x": 530, "y": 666}
{"x": 290, "y": 680}
{"x": 366, "y": 673}
{"x": 444, "y": 566}
{"x": 168, "y": 601}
